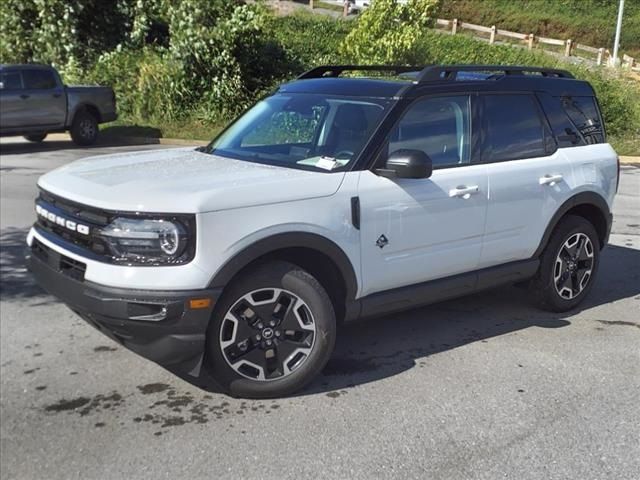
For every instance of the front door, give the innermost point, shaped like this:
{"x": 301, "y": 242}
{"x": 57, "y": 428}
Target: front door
{"x": 416, "y": 230}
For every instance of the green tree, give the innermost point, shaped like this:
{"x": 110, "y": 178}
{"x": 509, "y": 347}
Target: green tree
{"x": 389, "y": 31}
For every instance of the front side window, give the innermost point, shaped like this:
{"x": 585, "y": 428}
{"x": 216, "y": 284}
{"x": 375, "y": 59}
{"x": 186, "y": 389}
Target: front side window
{"x": 584, "y": 114}
{"x": 306, "y": 131}
{"x": 438, "y": 126}
{"x": 513, "y": 128}
{"x": 10, "y": 81}
{"x": 38, "y": 79}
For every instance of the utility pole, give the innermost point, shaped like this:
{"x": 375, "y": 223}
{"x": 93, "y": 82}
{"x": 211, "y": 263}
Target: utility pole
{"x": 616, "y": 42}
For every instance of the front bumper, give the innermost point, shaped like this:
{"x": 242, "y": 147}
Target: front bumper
{"x": 161, "y": 326}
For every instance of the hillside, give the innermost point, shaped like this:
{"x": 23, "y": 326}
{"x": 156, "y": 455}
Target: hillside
{"x": 590, "y": 22}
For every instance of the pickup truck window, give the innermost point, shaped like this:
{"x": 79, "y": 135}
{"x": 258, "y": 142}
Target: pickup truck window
{"x": 39, "y": 79}
{"x": 303, "y": 131}
{"x": 10, "y": 81}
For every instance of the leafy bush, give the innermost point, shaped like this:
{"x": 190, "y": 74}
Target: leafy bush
{"x": 389, "y": 31}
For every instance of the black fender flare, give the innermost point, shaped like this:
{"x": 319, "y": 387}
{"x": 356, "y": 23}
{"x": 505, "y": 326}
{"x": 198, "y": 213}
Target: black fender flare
{"x": 281, "y": 241}
{"x": 582, "y": 198}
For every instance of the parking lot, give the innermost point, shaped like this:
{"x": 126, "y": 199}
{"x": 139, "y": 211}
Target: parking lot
{"x": 484, "y": 387}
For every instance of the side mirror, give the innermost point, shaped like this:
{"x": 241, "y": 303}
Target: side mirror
{"x": 407, "y": 164}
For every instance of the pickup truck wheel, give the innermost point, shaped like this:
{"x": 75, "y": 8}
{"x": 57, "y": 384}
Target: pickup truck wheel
{"x": 36, "y": 137}
{"x": 84, "y": 130}
{"x": 568, "y": 265}
{"x": 271, "y": 333}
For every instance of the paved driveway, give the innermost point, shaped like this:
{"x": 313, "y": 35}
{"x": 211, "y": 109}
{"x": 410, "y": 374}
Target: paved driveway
{"x": 485, "y": 387}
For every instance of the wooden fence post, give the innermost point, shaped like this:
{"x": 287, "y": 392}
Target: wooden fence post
{"x": 600, "y": 56}
{"x": 311, "y": 4}
{"x": 567, "y": 48}
{"x": 454, "y": 26}
{"x": 530, "y": 41}
{"x": 492, "y": 37}
{"x": 345, "y": 9}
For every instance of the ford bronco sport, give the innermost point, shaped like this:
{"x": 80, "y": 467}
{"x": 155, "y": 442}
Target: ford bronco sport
{"x": 335, "y": 198}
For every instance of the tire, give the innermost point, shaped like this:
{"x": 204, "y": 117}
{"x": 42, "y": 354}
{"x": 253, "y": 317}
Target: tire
{"x": 84, "y": 130}
{"x": 568, "y": 265}
{"x": 250, "y": 314}
{"x": 36, "y": 137}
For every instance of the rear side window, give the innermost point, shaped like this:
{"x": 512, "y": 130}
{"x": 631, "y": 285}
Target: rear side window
{"x": 584, "y": 114}
{"x": 38, "y": 79}
{"x": 10, "y": 81}
{"x": 513, "y": 128}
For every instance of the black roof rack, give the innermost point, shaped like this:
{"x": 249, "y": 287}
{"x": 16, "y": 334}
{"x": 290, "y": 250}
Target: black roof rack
{"x": 337, "y": 70}
{"x": 450, "y": 72}
{"x": 433, "y": 73}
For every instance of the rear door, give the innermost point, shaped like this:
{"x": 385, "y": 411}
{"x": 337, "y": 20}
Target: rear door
{"x": 527, "y": 176}
{"x": 44, "y": 97}
{"x": 416, "y": 230}
{"x": 11, "y": 101}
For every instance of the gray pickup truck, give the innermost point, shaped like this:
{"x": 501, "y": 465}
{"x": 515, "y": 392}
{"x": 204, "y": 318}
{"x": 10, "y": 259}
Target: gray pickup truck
{"x": 35, "y": 102}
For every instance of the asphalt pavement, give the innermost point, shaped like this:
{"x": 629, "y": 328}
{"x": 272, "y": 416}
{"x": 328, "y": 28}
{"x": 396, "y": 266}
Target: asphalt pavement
{"x": 485, "y": 387}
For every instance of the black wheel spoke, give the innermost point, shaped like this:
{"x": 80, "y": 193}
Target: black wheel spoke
{"x": 573, "y": 265}
{"x": 267, "y": 334}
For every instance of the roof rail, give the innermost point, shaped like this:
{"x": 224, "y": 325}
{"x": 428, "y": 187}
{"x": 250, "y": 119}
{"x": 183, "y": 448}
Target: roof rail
{"x": 337, "y": 70}
{"x": 449, "y": 72}
{"x": 433, "y": 73}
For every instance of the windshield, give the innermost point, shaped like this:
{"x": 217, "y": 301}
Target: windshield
{"x": 306, "y": 131}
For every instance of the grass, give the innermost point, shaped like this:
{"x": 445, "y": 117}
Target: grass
{"x": 188, "y": 129}
{"x": 590, "y": 22}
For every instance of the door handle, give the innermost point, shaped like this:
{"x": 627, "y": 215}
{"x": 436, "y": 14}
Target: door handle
{"x": 57, "y": 95}
{"x": 463, "y": 191}
{"x": 550, "y": 180}
{"x": 24, "y": 96}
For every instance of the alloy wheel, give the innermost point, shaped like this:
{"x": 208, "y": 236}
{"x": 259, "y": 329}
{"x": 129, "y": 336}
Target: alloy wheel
{"x": 267, "y": 334}
{"x": 573, "y": 266}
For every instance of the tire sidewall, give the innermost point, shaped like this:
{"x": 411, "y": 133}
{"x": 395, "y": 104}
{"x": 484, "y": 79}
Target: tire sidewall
{"x": 569, "y": 227}
{"x": 76, "y": 131}
{"x": 274, "y": 275}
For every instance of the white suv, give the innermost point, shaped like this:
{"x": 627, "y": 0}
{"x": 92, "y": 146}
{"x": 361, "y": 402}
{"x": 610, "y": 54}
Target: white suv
{"x": 336, "y": 198}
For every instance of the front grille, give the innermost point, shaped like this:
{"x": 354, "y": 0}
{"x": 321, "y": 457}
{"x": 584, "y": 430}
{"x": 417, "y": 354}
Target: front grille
{"x": 64, "y": 211}
{"x": 63, "y": 264}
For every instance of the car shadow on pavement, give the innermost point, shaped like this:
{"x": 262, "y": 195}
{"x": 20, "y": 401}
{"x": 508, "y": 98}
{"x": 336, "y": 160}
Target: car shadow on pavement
{"x": 16, "y": 283}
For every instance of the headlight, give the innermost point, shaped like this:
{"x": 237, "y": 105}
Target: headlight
{"x": 148, "y": 241}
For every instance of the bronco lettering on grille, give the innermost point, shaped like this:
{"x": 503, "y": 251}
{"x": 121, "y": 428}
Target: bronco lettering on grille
{"x": 63, "y": 222}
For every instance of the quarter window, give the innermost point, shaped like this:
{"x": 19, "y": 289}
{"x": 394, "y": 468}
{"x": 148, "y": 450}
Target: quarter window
{"x": 514, "y": 129}
{"x": 585, "y": 116}
{"x": 38, "y": 79}
{"x": 439, "y": 126}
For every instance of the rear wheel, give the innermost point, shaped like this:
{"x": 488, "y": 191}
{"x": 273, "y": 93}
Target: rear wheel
{"x": 84, "y": 130}
{"x": 272, "y": 332}
{"x": 36, "y": 137}
{"x": 568, "y": 265}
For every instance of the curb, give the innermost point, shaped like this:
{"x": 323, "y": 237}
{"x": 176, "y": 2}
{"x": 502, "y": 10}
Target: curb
{"x": 629, "y": 160}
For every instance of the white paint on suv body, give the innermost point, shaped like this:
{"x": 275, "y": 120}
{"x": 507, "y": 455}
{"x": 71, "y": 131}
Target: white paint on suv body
{"x": 431, "y": 234}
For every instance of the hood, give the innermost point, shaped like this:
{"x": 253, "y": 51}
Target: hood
{"x": 182, "y": 181}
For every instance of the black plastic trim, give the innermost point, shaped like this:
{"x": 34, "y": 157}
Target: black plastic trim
{"x": 583, "y": 198}
{"x": 176, "y": 338}
{"x": 412, "y": 296}
{"x": 355, "y": 212}
{"x": 288, "y": 240}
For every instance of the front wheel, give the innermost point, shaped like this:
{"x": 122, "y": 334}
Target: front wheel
{"x": 272, "y": 332}
{"x": 84, "y": 129}
{"x": 568, "y": 265}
